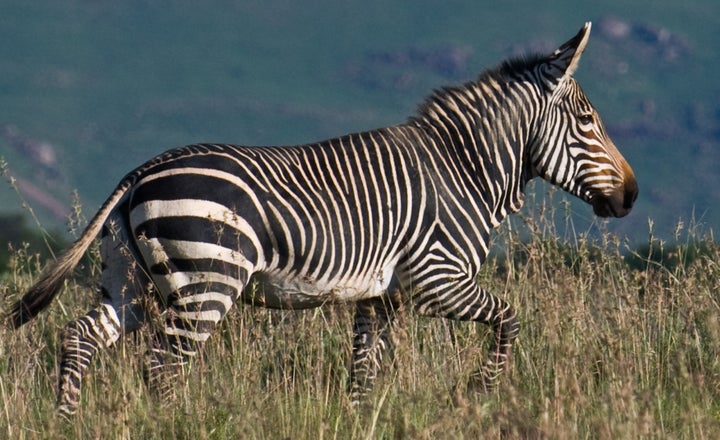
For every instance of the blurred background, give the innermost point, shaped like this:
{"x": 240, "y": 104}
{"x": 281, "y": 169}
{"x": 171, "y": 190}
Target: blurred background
{"x": 91, "y": 89}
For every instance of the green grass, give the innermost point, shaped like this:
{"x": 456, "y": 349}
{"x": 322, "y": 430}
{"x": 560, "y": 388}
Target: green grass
{"x": 611, "y": 346}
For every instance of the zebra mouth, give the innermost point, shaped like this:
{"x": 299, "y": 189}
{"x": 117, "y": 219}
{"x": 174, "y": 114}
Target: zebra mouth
{"x": 617, "y": 204}
{"x": 604, "y": 207}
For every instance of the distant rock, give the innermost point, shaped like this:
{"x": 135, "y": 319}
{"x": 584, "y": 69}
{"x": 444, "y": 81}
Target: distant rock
{"x": 613, "y": 28}
{"x": 448, "y": 61}
{"x": 650, "y": 42}
{"x": 42, "y": 155}
{"x": 38, "y": 151}
{"x": 403, "y": 69}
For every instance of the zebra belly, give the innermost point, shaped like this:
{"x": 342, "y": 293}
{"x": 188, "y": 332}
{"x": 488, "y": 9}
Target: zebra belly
{"x": 298, "y": 292}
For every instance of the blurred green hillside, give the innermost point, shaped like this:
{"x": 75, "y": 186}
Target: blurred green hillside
{"x": 91, "y": 89}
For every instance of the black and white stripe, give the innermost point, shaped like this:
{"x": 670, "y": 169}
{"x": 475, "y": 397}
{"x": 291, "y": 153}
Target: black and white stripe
{"x": 399, "y": 215}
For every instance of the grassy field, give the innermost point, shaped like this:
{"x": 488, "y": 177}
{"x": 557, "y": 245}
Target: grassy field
{"x": 613, "y": 345}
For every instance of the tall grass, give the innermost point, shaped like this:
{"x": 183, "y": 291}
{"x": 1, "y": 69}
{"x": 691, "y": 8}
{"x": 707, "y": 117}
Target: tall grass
{"x": 608, "y": 349}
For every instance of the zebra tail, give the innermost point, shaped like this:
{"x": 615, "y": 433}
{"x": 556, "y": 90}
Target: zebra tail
{"x": 51, "y": 280}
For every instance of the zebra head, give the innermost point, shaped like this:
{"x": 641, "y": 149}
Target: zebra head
{"x": 573, "y": 149}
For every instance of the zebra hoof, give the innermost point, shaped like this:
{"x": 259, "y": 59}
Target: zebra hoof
{"x": 65, "y": 413}
{"x": 479, "y": 382}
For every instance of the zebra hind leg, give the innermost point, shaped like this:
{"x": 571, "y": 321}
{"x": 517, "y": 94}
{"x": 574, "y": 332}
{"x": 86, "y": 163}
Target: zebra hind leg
{"x": 164, "y": 365}
{"x": 189, "y": 322}
{"x": 81, "y": 339}
{"x": 374, "y": 319}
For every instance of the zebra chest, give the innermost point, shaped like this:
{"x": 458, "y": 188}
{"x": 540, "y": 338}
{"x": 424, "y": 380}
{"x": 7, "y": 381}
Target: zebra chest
{"x": 277, "y": 290}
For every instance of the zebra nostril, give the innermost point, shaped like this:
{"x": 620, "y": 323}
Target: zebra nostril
{"x": 631, "y": 194}
{"x": 629, "y": 200}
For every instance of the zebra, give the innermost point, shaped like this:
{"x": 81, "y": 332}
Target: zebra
{"x": 399, "y": 216}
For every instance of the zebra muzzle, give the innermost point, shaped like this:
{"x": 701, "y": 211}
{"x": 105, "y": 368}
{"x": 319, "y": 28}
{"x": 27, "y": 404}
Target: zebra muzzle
{"x": 617, "y": 204}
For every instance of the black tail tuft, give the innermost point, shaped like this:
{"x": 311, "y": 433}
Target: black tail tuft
{"x": 19, "y": 314}
{"x": 33, "y": 302}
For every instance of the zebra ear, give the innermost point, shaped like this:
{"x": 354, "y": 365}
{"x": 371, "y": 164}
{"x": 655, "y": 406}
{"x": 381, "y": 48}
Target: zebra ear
{"x": 562, "y": 63}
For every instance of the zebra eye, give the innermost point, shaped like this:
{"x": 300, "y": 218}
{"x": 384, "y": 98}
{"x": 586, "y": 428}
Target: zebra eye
{"x": 586, "y": 119}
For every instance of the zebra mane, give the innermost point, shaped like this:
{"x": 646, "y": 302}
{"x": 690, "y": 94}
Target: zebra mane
{"x": 508, "y": 70}
{"x": 513, "y": 66}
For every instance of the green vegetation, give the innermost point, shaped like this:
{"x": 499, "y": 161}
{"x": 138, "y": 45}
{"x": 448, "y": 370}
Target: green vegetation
{"x": 109, "y": 85}
{"x": 19, "y": 239}
{"x": 614, "y": 344}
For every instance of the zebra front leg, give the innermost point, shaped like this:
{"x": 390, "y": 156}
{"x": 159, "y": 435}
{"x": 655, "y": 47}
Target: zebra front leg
{"x": 504, "y": 322}
{"x": 81, "y": 339}
{"x": 476, "y": 304}
{"x": 374, "y": 319}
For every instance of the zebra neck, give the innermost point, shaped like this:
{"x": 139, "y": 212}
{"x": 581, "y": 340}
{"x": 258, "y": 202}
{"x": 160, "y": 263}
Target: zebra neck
{"x": 479, "y": 135}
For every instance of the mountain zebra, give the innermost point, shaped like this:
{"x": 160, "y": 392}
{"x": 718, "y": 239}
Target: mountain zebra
{"x": 386, "y": 217}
